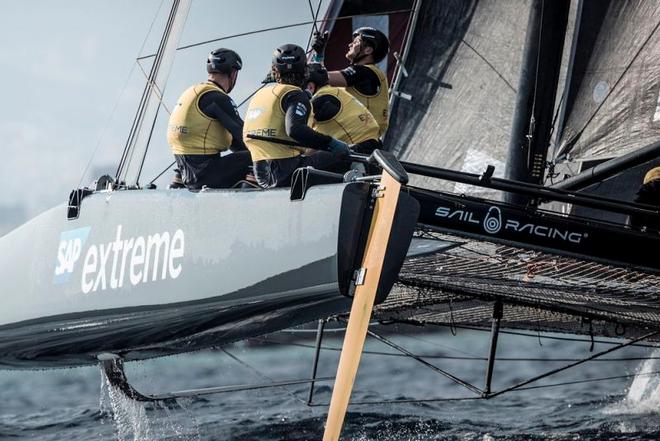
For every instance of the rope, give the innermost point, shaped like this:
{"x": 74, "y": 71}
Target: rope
{"x": 543, "y": 386}
{"x": 589, "y": 380}
{"x": 155, "y": 88}
{"x": 314, "y": 17}
{"x": 461, "y": 358}
{"x": 118, "y": 100}
{"x": 549, "y": 337}
{"x": 161, "y": 173}
{"x": 261, "y": 374}
{"x": 276, "y": 28}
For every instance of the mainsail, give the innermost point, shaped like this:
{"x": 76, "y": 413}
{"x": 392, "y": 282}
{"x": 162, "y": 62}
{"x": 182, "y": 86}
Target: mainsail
{"x": 463, "y": 68}
{"x": 611, "y": 103}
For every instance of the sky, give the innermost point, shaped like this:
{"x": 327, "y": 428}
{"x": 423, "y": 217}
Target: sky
{"x": 70, "y": 84}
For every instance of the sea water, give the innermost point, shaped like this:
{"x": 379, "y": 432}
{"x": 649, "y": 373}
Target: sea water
{"x": 79, "y": 404}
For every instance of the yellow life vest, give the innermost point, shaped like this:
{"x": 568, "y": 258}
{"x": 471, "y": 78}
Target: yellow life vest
{"x": 190, "y": 131}
{"x": 352, "y": 124}
{"x": 377, "y": 104}
{"x": 265, "y": 117}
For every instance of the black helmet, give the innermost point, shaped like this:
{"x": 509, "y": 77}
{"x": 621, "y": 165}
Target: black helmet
{"x": 223, "y": 61}
{"x": 318, "y": 74}
{"x": 376, "y": 39}
{"x": 289, "y": 58}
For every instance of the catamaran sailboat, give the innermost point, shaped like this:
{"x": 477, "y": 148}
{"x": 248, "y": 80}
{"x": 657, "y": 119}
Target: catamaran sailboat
{"x": 94, "y": 280}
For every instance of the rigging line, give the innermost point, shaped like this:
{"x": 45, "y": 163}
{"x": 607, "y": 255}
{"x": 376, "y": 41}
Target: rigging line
{"x": 251, "y": 95}
{"x": 137, "y": 121}
{"x": 434, "y": 368}
{"x": 121, "y": 94}
{"x": 161, "y": 173}
{"x": 401, "y": 401}
{"x": 155, "y": 88}
{"x": 571, "y": 142}
{"x": 276, "y": 28}
{"x": 438, "y": 345}
{"x": 494, "y": 69}
{"x": 261, "y": 374}
{"x": 430, "y": 400}
{"x": 589, "y": 380}
{"x": 314, "y": 17}
{"x": 124, "y": 156}
{"x": 572, "y": 365}
{"x": 107, "y": 124}
{"x": 536, "y": 77}
{"x": 547, "y": 337}
{"x": 451, "y": 357}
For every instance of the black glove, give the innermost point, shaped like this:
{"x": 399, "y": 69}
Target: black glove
{"x": 338, "y": 148}
{"x": 319, "y": 42}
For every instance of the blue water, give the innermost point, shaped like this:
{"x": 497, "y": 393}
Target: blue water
{"x": 76, "y": 404}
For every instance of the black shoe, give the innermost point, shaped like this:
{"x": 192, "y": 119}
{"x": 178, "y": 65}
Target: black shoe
{"x": 177, "y": 181}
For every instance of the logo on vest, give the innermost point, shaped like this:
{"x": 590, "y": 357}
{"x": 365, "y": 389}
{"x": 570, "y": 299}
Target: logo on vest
{"x": 254, "y": 113}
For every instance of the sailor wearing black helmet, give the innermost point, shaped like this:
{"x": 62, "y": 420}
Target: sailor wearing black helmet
{"x": 339, "y": 114}
{"x": 281, "y": 112}
{"x": 363, "y": 79}
{"x": 205, "y": 123}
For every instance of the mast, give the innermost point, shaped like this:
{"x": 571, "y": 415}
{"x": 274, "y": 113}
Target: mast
{"x": 130, "y": 166}
{"x": 537, "y": 87}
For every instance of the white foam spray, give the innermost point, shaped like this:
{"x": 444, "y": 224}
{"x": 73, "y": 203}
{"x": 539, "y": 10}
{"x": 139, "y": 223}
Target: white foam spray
{"x": 644, "y": 393}
{"x": 146, "y": 422}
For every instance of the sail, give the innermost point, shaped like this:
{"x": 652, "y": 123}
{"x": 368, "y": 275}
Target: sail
{"x": 463, "y": 67}
{"x": 612, "y": 105}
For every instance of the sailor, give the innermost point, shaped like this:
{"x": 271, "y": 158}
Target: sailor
{"x": 205, "y": 124}
{"x": 339, "y": 114}
{"x": 649, "y": 194}
{"x": 363, "y": 79}
{"x": 280, "y": 113}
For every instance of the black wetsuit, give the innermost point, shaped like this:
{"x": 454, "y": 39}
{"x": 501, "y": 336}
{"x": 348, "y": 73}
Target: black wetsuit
{"x": 217, "y": 171}
{"x": 362, "y": 78}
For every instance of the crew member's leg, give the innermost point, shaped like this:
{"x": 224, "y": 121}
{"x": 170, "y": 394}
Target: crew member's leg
{"x": 323, "y": 160}
{"x": 276, "y": 172}
{"x": 225, "y": 171}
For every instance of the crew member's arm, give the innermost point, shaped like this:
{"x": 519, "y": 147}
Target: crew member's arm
{"x": 221, "y": 107}
{"x": 362, "y": 78}
{"x": 297, "y": 108}
{"x": 325, "y": 108}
